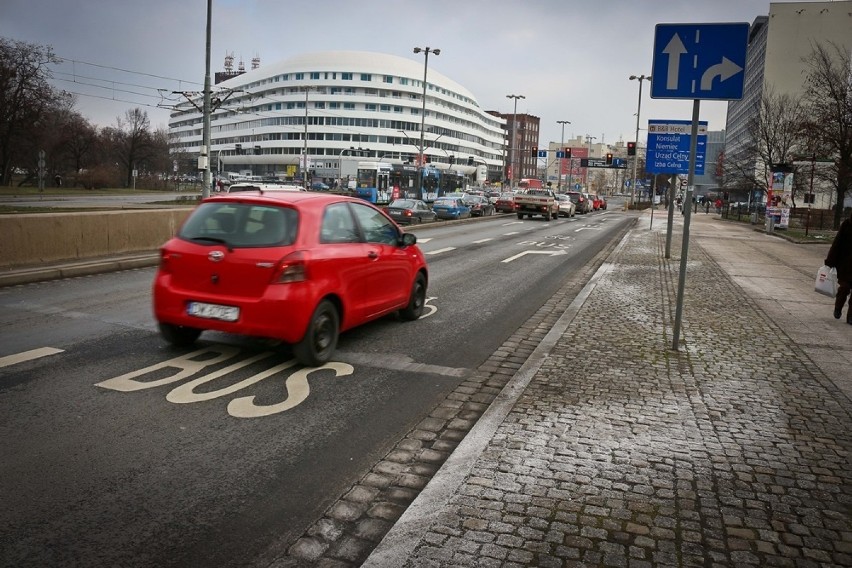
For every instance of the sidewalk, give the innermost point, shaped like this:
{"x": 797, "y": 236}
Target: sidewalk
{"x": 732, "y": 451}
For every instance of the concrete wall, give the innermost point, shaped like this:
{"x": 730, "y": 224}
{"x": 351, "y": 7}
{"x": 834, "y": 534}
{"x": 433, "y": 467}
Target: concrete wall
{"x": 31, "y": 239}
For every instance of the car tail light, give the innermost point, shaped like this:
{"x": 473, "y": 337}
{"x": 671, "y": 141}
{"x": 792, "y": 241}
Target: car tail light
{"x": 165, "y": 260}
{"x": 408, "y": 213}
{"x": 292, "y": 268}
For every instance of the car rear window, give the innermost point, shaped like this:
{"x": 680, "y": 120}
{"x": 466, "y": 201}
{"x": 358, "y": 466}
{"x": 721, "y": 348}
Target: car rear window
{"x": 241, "y": 225}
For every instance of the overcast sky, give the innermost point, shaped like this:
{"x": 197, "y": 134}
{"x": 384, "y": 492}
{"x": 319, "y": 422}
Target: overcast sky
{"x": 571, "y": 59}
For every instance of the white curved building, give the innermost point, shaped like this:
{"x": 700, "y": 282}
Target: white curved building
{"x": 332, "y": 104}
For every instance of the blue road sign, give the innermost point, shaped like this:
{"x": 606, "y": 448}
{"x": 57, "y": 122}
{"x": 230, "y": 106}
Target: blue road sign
{"x": 699, "y": 61}
{"x": 542, "y": 153}
{"x": 668, "y": 147}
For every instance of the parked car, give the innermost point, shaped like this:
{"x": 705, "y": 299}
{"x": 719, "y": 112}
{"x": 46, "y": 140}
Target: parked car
{"x": 505, "y": 203}
{"x": 566, "y": 206}
{"x": 450, "y": 208}
{"x": 298, "y": 267}
{"x": 603, "y": 202}
{"x": 480, "y": 206}
{"x": 591, "y": 199}
{"x": 319, "y": 186}
{"x": 580, "y": 200}
{"x": 409, "y": 211}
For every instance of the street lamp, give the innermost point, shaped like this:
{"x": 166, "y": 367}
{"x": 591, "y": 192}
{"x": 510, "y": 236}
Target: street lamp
{"x": 426, "y": 51}
{"x": 514, "y": 139}
{"x": 561, "y": 149}
{"x": 639, "y": 78}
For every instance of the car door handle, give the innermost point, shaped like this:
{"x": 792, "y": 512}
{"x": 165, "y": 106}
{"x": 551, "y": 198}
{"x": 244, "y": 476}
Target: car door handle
{"x": 373, "y": 255}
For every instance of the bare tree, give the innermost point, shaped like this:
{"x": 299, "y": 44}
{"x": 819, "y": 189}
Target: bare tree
{"x": 131, "y": 141}
{"x": 828, "y": 100}
{"x": 25, "y": 96}
{"x": 773, "y": 137}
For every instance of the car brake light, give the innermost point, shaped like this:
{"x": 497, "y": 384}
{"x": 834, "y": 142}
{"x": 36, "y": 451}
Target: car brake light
{"x": 408, "y": 213}
{"x": 292, "y": 268}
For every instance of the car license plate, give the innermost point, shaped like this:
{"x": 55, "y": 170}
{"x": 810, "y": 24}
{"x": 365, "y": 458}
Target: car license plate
{"x": 213, "y": 311}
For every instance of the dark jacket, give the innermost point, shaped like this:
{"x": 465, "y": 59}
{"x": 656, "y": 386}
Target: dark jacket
{"x": 840, "y": 253}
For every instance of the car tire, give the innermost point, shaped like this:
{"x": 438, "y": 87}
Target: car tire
{"x": 179, "y": 335}
{"x": 320, "y": 341}
{"x": 416, "y": 301}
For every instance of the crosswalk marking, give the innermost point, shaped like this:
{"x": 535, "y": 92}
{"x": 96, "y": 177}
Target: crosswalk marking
{"x": 28, "y": 356}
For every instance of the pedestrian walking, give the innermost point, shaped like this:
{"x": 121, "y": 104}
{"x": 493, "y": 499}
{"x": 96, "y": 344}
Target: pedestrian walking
{"x": 840, "y": 258}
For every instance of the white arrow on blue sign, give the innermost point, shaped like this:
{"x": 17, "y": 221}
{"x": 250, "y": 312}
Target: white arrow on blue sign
{"x": 699, "y": 61}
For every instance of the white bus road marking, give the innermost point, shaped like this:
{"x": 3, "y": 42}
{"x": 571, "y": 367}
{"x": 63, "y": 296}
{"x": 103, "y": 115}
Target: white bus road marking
{"x": 482, "y": 241}
{"x": 550, "y": 252}
{"x": 28, "y": 356}
{"x": 510, "y": 234}
{"x": 439, "y": 251}
{"x": 425, "y": 240}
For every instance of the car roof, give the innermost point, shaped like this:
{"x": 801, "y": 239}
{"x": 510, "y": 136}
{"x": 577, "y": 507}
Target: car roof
{"x": 289, "y": 197}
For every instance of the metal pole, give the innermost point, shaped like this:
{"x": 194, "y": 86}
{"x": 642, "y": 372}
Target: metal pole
{"x": 640, "y": 78}
{"x": 513, "y": 159}
{"x": 305, "y": 150}
{"x": 422, "y": 149}
{"x": 562, "y": 159}
{"x": 205, "y": 143}
{"x": 672, "y": 183}
{"x": 681, "y": 285}
{"x": 653, "y": 205}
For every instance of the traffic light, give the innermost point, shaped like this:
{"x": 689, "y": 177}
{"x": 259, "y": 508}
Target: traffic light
{"x": 568, "y": 153}
{"x": 631, "y": 148}
{"x": 534, "y": 152}
{"x": 609, "y": 159}
{"x": 470, "y": 160}
{"x": 452, "y": 160}
{"x": 238, "y": 149}
{"x": 257, "y": 150}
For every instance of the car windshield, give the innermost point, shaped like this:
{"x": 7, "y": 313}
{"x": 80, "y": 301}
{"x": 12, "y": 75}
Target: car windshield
{"x": 241, "y": 225}
{"x": 446, "y": 202}
{"x": 403, "y": 204}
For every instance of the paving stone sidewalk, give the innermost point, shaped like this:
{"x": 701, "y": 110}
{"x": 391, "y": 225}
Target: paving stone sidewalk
{"x": 732, "y": 451}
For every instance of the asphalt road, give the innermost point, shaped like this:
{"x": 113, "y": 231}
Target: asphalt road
{"x": 119, "y": 450}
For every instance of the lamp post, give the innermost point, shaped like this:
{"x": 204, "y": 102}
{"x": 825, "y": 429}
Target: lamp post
{"x": 426, "y": 51}
{"x": 561, "y": 149}
{"x": 639, "y": 78}
{"x": 514, "y": 156}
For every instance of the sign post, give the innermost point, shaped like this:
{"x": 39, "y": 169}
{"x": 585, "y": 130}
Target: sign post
{"x": 696, "y": 61}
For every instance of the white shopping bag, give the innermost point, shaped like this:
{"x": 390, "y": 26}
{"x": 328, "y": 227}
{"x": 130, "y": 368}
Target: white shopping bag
{"x": 826, "y": 281}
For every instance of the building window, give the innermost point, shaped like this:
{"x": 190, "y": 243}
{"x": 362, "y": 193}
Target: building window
{"x": 299, "y": 76}
{"x": 370, "y": 107}
{"x": 388, "y": 79}
{"x": 348, "y": 106}
{"x": 315, "y": 75}
{"x": 366, "y": 77}
{"x": 346, "y": 76}
{"x": 319, "y": 105}
{"x": 333, "y": 105}
{"x": 403, "y": 81}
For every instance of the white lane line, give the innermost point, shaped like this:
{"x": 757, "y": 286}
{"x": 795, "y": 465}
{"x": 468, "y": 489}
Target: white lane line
{"x": 439, "y": 251}
{"x": 426, "y": 240}
{"x": 510, "y": 234}
{"x": 28, "y": 356}
{"x": 482, "y": 241}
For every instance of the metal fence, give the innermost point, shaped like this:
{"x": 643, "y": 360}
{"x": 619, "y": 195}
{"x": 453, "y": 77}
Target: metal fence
{"x": 800, "y": 218}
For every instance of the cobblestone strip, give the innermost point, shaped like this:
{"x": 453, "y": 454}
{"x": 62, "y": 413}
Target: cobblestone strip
{"x": 353, "y": 526}
{"x": 729, "y": 452}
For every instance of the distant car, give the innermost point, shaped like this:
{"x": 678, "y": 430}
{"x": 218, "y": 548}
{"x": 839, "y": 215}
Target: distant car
{"x": 319, "y": 186}
{"x": 505, "y": 203}
{"x": 603, "y": 202}
{"x": 480, "y": 206}
{"x": 592, "y": 200}
{"x": 581, "y": 201}
{"x": 409, "y": 211}
{"x": 566, "y": 206}
{"x": 450, "y": 208}
{"x": 297, "y": 267}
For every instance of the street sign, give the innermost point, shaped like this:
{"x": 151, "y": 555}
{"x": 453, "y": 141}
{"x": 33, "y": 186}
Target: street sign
{"x": 668, "y": 147}
{"x": 699, "y": 61}
{"x": 601, "y": 163}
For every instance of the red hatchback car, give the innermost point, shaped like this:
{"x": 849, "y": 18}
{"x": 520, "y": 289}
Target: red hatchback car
{"x": 299, "y": 267}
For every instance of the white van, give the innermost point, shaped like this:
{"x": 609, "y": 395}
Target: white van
{"x": 251, "y": 186}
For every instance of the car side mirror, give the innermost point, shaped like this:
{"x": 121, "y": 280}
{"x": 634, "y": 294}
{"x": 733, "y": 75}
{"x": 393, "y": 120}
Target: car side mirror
{"x": 408, "y": 239}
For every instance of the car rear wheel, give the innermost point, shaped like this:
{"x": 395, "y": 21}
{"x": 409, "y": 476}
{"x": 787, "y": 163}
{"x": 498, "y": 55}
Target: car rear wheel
{"x": 416, "y": 301}
{"x": 179, "y": 335}
{"x": 320, "y": 341}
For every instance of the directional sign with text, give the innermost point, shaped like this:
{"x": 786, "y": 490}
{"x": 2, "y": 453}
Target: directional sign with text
{"x": 699, "y": 61}
{"x": 668, "y": 147}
